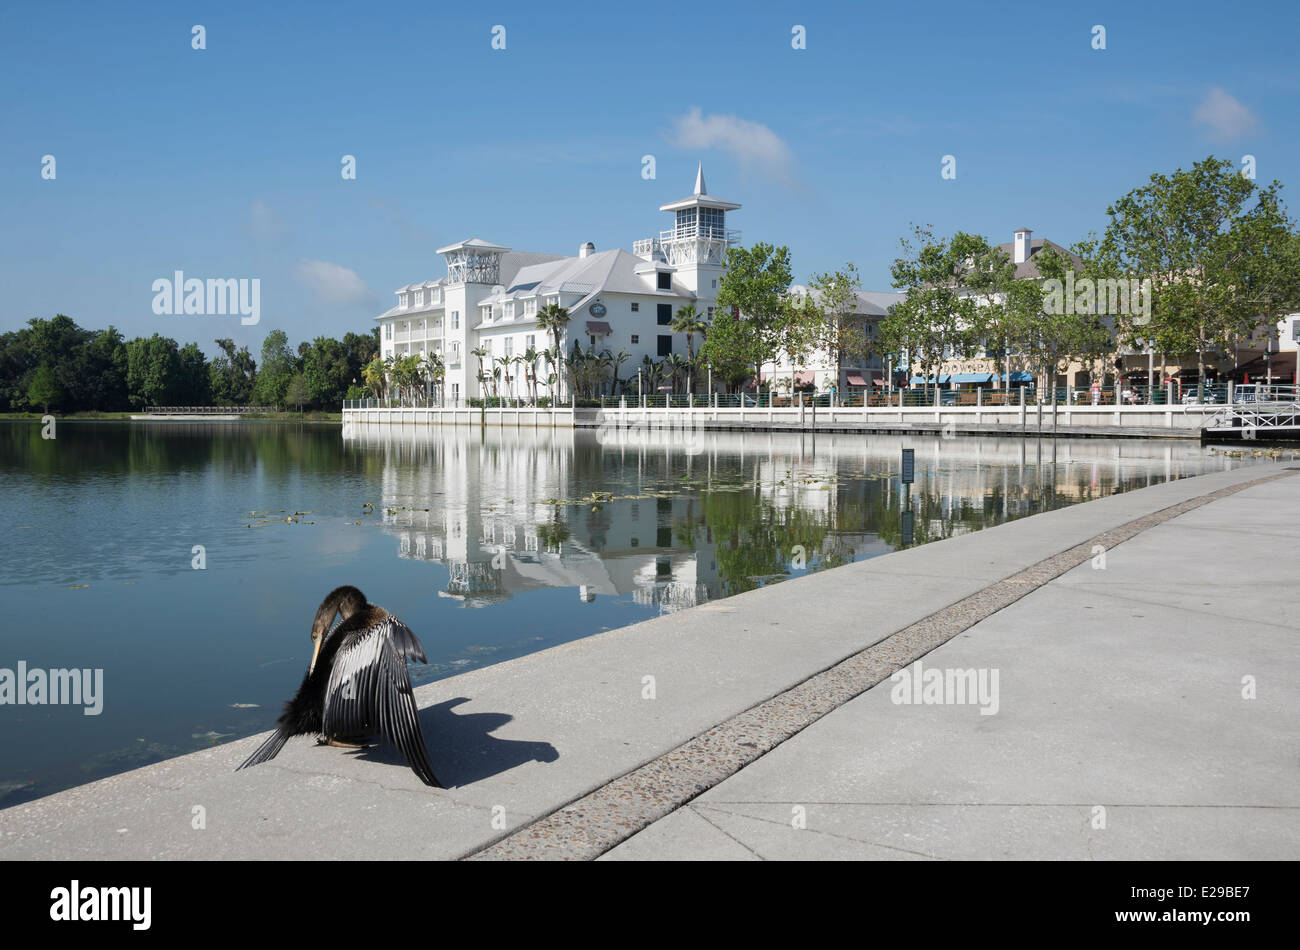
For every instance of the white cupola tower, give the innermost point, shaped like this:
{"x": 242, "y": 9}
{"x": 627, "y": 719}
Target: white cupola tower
{"x": 696, "y": 246}
{"x": 1022, "y": 246}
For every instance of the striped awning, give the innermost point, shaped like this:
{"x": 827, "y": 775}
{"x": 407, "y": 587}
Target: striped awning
{"x": 855, "y": 379}
{"x": 598, "y": 328}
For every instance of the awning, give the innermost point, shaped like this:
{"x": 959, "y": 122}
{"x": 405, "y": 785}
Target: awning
{"x": 598, "y": 328}
{"x": 921, "y": 380}
{"x": 1017, "y": 377}
{"x": 1281, "y": 366}
{"x": 972, "y": 377}
{"x": 855, "y": 379}
{"x": 804, "y": 378}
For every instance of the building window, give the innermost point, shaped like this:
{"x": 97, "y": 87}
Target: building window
{"x": 710, "y": 314}
{"x": 388, "y": 331}
{"x": 636, "y": 307}
{"x": 665, "y": 281}
{"x": 665, "y": 314}
{"x": 530, "y": 341}
{"x": 635, "y": 338}
{"x": 715, "y": 283}
{"x": 455, "y": 319}
{"x": 1295, "y": 331}
{"x": 530, "y": 306}
{"x": 593, "y": 340}
{"x": 510, "y": 346}
{"x": 665, "y": 344}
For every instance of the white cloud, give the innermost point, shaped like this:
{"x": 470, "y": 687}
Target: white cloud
{"x": 264, "y": 224}
{"x": 1226, "y": 118}
{"x": 756, "y": 147}
{"x": 333, "y": 283}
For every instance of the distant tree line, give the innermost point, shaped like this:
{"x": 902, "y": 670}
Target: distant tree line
{"x": 56, "y": 366}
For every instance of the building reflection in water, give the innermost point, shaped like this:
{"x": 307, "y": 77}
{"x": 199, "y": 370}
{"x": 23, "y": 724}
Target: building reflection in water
{"x": 672, "y": 519}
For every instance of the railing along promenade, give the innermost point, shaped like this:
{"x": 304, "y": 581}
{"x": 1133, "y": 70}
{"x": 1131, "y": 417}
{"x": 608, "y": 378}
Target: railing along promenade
{"x": 1167, "y": 411}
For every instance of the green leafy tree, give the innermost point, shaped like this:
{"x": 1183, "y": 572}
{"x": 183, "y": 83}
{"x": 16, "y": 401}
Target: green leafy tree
{"x": 832, "y": 327}
{"x": 101, "y": 366}
{"x": 232, "y": 375}
{"x": 153, "y": 371}
{"x": 278, "y": 367}
{"x": 44, "y": 390}
{"x": 296, "y": 391}
{"x": 757, "y": 283}
{"x": 939, "y": 318}
{"x": 193, "y": 382}
{"x": 327, "y": 371}
{"x": 1193, "y": 234}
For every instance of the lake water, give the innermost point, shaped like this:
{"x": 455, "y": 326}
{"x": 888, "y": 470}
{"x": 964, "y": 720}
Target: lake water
{"x": 490, "y": 545}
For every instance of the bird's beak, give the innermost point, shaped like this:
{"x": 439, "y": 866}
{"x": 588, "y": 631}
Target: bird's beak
{"x": 315, "y": 652}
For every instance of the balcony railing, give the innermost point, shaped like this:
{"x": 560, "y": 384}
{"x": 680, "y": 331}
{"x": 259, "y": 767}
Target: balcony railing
{"x": 652, "y": 248}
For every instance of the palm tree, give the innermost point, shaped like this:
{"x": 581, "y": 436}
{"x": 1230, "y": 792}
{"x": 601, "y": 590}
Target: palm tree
{"x": 373, "y": 376}
{"x": 516, "y": 361}
{"x": 530, "y": 372}
{"x": 481, "y": 352}
{"x": 619, "y": 359}
{"x": 554, "y": 319}
{"x": 503, "y": 370}
{"x": 435, "y": 370}
{"x": 677, "y": 366}
{"x": 651, "y": 373}
{"x": 690, "y": 322}
{"x": 552, "y": 373}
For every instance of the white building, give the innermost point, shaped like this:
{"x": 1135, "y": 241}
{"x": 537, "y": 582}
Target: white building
{"x": 616, "y": 300}
{"x": 847, "y": 372}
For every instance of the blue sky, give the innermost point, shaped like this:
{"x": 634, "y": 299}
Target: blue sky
{"x": 225, "y": 162}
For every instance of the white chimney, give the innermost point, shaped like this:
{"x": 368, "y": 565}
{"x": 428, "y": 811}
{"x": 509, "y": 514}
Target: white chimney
{"x": 587, "y": 250}
{"x": 1021, "y": 254}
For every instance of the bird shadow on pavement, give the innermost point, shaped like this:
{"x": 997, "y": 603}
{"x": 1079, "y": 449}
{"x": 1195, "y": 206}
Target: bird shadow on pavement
{"x": 460, "y": 748}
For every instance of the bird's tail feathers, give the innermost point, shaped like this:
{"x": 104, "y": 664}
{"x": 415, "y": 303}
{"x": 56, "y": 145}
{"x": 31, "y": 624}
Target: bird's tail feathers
{"x": 267, "y": 750}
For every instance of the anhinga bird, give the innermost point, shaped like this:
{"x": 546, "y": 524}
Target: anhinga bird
{"x": 357, "y": 684}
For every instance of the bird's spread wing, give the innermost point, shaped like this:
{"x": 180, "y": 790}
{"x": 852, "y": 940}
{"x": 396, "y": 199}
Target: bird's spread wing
{"x": 369, "y": 691}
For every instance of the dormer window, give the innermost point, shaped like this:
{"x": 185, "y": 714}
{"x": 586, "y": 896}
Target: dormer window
{"x": 402, "y": 302}
{"x": 665, "y": 281}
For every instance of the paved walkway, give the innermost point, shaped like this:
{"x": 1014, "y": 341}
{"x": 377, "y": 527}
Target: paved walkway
{"x": 1122, "y": 728}
{"x": 525, "y": 743}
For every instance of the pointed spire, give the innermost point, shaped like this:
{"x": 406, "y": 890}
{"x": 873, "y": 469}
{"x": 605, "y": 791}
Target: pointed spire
{"x": 699, "y": 180}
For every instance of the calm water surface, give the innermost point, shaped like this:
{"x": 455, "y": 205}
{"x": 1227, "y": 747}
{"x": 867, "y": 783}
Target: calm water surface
{"x": 489, "y": 545}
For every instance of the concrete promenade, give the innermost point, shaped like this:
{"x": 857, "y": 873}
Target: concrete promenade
{"x": 565, "y": 754}
{"x": 1124, "y": 727}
